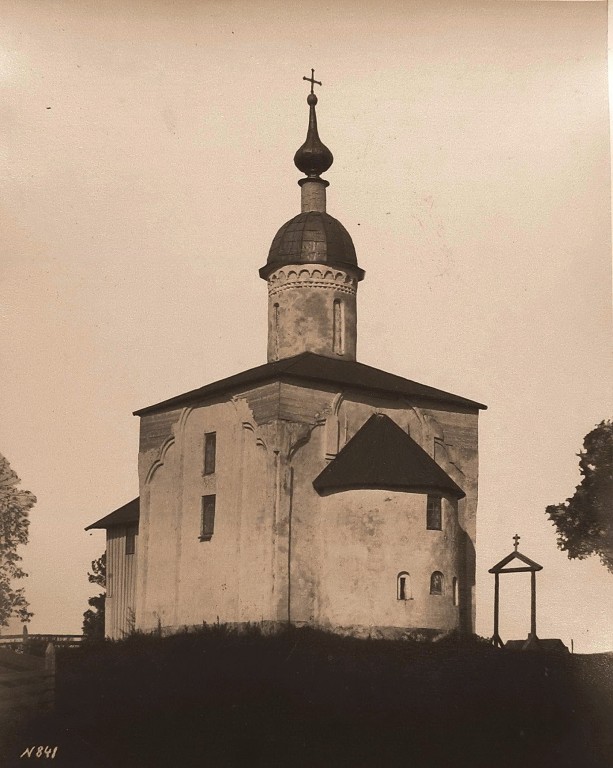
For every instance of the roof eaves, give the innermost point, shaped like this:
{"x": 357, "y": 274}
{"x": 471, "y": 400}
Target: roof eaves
{"x": 293, "y": 369}
{"x": 432, "y": 393}
{"x": 358, "y": 387}
{"x": 236, "y": 382}
{"x": 325, "y": 489}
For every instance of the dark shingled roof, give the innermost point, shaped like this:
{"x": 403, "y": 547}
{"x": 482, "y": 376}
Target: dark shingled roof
{"x": 126, "y": 515}
{"x": 311, "y": 368}
{"x": 312, "y": 237}
{"x": 382, "y": 455}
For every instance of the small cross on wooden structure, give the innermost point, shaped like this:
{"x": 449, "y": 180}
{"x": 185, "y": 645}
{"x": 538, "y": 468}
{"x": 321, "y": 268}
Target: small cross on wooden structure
{"x": 529, "y": 567}
{"x": 312, "y": 80}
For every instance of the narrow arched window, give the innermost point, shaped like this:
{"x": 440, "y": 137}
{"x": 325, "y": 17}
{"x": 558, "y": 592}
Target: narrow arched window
{"x": 403, "y": 587}
{"x": 434, "y": 513}
{"x": 454, "y": 584}
{"x": 275, "y": 331}
{"x": 437, "y": 585}
{"x": 339, "y": 327}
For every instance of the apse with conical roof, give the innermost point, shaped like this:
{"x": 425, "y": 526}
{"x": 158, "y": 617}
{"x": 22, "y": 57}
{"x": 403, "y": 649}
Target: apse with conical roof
{"x": 312, "y": 269}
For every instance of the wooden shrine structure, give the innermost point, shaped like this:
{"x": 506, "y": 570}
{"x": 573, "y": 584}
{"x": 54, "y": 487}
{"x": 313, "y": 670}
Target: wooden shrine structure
{"x": 529, "y": 566}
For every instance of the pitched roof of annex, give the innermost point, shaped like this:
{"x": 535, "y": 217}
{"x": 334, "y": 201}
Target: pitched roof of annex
{"x": 310, "y": 368}
{"x": 126, "y": 515}
{"x": 381, "y": 455}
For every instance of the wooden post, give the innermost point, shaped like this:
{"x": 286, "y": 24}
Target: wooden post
{"x": 496, "y": 604}
{"x": 496, "y": 641}
{"x": 50, "y": 658}
{"x": 533, "y": 605}
{"x": 48, "y": 700}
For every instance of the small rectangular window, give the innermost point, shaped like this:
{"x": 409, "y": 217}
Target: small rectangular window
{"x": 210, "y": 447}
{"x": 131, "y": 532}
{"x": 434, "y": 516}
{"x": 208, "y": 518}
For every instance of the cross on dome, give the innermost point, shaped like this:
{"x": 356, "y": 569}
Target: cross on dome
{"x": 516, "y": 539}
{"x": 313, "y": 158}
{"x": 312, "y": 80}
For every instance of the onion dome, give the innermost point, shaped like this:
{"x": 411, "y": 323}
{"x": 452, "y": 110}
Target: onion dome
{"x": 313, "y": 158}
{"x": 312, "y": 237}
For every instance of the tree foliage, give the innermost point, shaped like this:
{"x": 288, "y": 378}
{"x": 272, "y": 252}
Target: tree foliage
{"x": 93, "y": 618}
{"x": 15, "y": 504}
{"x": 584, "y": 522}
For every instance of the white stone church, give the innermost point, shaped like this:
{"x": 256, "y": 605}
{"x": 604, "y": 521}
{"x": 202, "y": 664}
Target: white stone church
{"x": 312, "y": 489}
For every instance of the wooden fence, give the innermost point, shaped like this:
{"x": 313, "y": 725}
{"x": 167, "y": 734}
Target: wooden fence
{"x": 22, "y": 640}
{"x": 27, "y": 684}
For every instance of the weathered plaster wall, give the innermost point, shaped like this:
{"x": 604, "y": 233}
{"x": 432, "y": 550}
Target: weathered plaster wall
{"x": 449, "y": 437}
{"x": 228, "y": 577}
{"x": 280, "y": 552}
{"x": 301, "y": 315}
{"x": 186, "y": 580}
{"x": 157, "y": 562}
{"x": 368, "y": 538}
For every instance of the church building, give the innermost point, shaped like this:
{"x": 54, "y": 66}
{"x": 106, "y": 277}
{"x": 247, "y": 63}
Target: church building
{"x": 311, "y": 490}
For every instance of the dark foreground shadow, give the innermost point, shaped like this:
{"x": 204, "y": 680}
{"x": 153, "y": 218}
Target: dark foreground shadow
{"x": 304, "y": 698}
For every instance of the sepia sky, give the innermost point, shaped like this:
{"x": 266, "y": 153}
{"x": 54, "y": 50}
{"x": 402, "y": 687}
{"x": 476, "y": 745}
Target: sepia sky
{"x": 146, "y": 164}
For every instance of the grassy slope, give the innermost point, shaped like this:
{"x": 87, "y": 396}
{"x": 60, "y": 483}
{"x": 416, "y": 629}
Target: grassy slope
{"x": 303, "y": 698}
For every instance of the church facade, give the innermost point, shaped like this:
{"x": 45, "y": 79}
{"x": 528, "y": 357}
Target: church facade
{"x": 311, "y": 490}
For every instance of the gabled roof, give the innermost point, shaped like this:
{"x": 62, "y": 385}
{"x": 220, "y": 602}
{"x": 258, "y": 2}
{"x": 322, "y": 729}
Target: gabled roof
{"x": 382, "y": 455}
{"x": 126, "y": 515}
{"x": 530, "y": 564}
{"x": 311, "y": 368}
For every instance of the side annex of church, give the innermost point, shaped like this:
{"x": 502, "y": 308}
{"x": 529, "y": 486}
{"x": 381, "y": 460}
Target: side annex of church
{"x": 311, "y": 490}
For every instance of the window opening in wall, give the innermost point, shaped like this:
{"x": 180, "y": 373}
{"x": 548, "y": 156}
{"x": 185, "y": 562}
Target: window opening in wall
{"x": 436, "y": 583}
{"x": 131, "y": 532}
{"x": 339, "y": 327}
{"x": 455, "y": 590}
{"x": 404, "y": 586}
{"x": 275, "y": 331}
{"x": 434, "y": 513}
{"x": 210, "y": 449}
{"x": 208, "y": 517}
